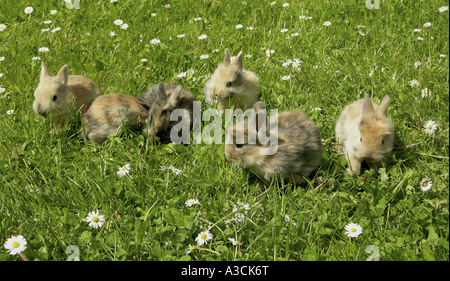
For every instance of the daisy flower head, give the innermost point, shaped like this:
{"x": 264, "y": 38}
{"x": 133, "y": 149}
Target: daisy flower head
{"x": 112, "y": 33}
{"x": 2, "y": 90}
{"x": 250, "y": 28}
{"x": 191, "y": 202}
{"x": 2, "y": 27}
{"x": 124, "y": 26}
{"x": 203, "y": 237}
{"x": 414, "y": 83}
{"x": 284, "y": 30}
{"x": 417, "y": 63}
{"x": 327, "y": 23}
{"x": 203, "y": 37}
{"x": 125, "y": 169}
{"x": 420, "y": 38}
{"x": 28, "y": 10}
{"x": 417, "y": 30}
{"x": 204, "y": 57}
{"x": 43, "y": 50}
{"x": 353, "y": 230}
{"x": 190, "y": 249}
{"x": 155, "y": 41}
{"x": 182, "y": 75}
{"x": 239, "y": 26}
{"x": 443, "y": 9}
{"x": 285, "y": 5}
{"x": 118, "y": 22}
{"x": 286, "y": 77}
{"x": 269, "y": 52}
{"x": 442, "y": 55}
{"x": 427, "y": 24}
{"x": 10, "y": 112}
{"x": 234, "y": 242}
{"x": 181, "y": 35}
{"x": 430, "y": 127}
{"x": 2, "y": 58}
{"x": 95, "y": 219}
{"x": 53, "y": 12}
{"x": 198, "y": 19}
{"x": 426, "y": 184}
{"x": 426, "y": 93}
{"x": 16, "y": 244}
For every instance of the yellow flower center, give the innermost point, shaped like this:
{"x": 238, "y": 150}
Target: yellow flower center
{"x": 430, "y": 126}
{"x": 203, "y": 236}
{"x": 353, "y": 230}
{"x": 95, "y": 219}
{"x": 425, "y": 183}
{"x": 15, "y": 244}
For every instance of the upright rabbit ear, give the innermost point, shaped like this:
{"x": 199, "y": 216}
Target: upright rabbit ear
{"x": 44, "y": 71}
{"x": 63, "y": 74}
{"x": 227, "y": 58}
{"x": 367, "y": 110}
{"x": 239, "y": 61}
{"x": 172, "y": 101}
{"x": 382, "y": 109}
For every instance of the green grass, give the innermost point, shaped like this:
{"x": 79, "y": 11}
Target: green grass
{"x": 50, "y": 181}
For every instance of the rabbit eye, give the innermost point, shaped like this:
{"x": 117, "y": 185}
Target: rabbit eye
{"x": 229, "y": 84}
{"x": 382, "y": 142}
{"x": 360, "y": 139}
{"x": 238, "y": 145}
{"x": 54, "y": 98}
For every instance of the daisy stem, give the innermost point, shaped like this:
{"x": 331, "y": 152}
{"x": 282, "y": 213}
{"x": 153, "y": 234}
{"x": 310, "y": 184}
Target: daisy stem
{"x": 22, "y": 255}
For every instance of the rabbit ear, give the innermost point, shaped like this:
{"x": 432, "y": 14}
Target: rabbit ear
{"x": 44, "y": 71}
{"x": 143, "y": 103}
{"x": 162, "y": 96}
{"x": 367, "y": 110}
{"x": 172, "y": 101}
{"x": 227, "y": 58}
{"x": 382, "y": 109}
{"x": 63, "y": 74}
{"x": 239, "y": 61}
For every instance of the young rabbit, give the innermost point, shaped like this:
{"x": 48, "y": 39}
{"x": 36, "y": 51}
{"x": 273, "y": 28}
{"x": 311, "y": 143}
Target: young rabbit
{"x": 63, "y": 94}
{"x": 298, "y": 151}
{"x": 159, "y": 102}
{"x": 108, "y": 113}
{"x": 231, "y": 85}
{"x": 365, "y": 132}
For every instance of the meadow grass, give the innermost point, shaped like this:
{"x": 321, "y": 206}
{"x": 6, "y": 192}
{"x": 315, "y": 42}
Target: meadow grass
{"x": 50, "y": 181}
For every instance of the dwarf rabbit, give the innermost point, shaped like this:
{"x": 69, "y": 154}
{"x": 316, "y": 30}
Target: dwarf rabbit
{"x": 231, "y": 85}
{"x": 62, "y": 94}
{"x": 160, "y": 101}
{"x": 298, "y": 151}
{"x": 365, "y": 132}
{"x": 108, "y": 113}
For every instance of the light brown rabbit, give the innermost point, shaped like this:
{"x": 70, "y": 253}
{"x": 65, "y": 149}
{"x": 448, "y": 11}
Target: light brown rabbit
{"x": 62, "y": 95}
{"x": 364, "y": 132}
{"x": 160, "y": 101}
{"x": 298, "y": 152}
{"x": 110, "y": 113}
{"x": 231, "y": 85}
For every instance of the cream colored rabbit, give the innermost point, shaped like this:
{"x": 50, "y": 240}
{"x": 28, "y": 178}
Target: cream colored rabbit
{"x": 365, "y": 132}
{"x": 299, "y": 150}
{"x": 110, "y": 113}
{"x": 62, "y": 95}
{"x": 231, "y": 85}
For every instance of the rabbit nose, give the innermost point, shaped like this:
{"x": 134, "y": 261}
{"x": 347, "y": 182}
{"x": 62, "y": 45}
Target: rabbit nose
{"x": 42, "y": 112}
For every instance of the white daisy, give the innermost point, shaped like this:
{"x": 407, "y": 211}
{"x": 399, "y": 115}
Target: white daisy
{"x": 430, "y": 127}
{"x": 48, "y": 22}
{"x": 2, "y": 27}
{"x": 124, "y": 170}
{"x": 43, "y": 50}
{"x": 443, "y": 9}
{"x": 190, "y": 249}
{"x": 95, "y": 219}
{"x": 36, "y": 58}
{"x": 241, "y": 207}
{"x": 204, "y": 57}
{"x": 417, "y": 30}
{"x": 361, "y": 33}
{"x": 28, "y": 10}
{"x": 55, "y": 29}
{"x": 250, "y": 28}
{"x": 16, "y": 244}
{"x": 234, "y": 242}
{"x": 353, "y": 230}
{"x": 284, "y": 30}
{"x": 327, "y": 23}
{"x": 417, "y": 63}
{"x": 273, "y": 3}
{"x": 239, "y": 26}
{"x": 181, "y": 35}
{"x": 202, "y": 37}
{"x": 155, "y": 41}
{"x": 167, "y": 6}
{"x": 53, "y": 12}
{"x": 427, "y": 24}
{"x": 112, "y": 33}
{"x": 414, "y": 83}
{"x": 191, "y": 202}
{"x": 197, "y": 19}
{"x": 124, "y": 26}
{"x": 10, "y": 112}
{"x": 118, "y": 22}
{"x": 285, "y": 5}
{"x": 153, "y": 14}
{"x": 144, "y": 60}
{"x": 45, "y": 29}
{"x": 426, "y": 184}
{"x": 203, "y": 237}
{"x": 269, "y": 52}
{"x": 420, "y": 38}
{"x": 295, "y": 34}
{"x": 286, "y": 77}
{"x": 426, "y": 93}
{"x": 442, "y": 55}
{"x": 2, "y": 58}
{"x": 2, "y": 90}
{"x": 182, "y": 75}
{"x": 296, "y": 63}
